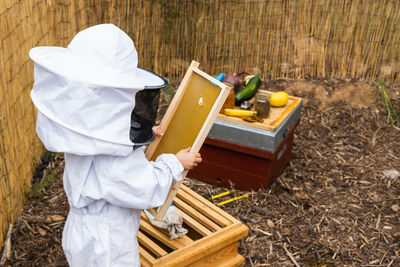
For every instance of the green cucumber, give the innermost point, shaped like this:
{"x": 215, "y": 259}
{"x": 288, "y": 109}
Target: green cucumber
{"x": 249, "y": 91}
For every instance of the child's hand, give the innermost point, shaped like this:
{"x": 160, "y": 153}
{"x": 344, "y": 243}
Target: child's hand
{"x": 157, "y": 131}
{"x": 188, "y": 159}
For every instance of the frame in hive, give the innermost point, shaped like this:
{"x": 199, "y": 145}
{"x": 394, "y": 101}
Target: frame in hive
{"x": 188, "y": 120}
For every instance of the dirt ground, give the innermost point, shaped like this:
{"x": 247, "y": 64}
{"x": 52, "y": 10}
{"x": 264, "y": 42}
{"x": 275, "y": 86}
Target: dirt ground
{"x": 335, "y": 204}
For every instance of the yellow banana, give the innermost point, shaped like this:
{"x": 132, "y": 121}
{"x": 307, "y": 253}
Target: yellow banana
{"x": 239, "y": 112}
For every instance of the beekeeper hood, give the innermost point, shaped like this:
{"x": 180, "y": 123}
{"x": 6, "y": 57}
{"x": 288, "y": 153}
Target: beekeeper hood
{"x": 85, "y": 94}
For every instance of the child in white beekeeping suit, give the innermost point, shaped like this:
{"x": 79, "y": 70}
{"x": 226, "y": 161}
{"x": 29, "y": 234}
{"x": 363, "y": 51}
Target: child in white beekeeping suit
{"x": 95, "y": 105}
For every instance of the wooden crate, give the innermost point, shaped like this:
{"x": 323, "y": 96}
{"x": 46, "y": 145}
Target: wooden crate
{"x": 212, "y": 240}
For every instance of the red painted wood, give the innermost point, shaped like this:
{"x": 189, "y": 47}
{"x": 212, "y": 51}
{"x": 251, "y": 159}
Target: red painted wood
{"x": 246, "y": 167}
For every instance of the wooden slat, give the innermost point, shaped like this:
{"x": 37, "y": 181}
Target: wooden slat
{"x": 145, "y": 258}
{"x": 171, "y": 109}
{"x": 207, "y": 203}
{"x": 204, "y": 246}
{"x": 171, "y": 195}
{"x": 186, "y": 208}
{"x": 196, "y": 226}
{"x": 163, "y": 236}
{"x": 150, "y": 245}
{"x": 207, "y": 208}
{"x": 152, "y": 211}
{"x": 226, "y": 256}
{"x": 167, "y": 118}
{"x": 236, "y": 260}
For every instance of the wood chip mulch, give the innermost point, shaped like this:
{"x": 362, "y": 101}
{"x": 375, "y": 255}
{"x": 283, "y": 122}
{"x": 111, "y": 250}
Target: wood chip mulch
{"x": 335, "y": 204}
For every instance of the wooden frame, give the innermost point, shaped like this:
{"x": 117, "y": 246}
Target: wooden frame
{"x": 188, "y": 120}
{"x": 212, "y": 239}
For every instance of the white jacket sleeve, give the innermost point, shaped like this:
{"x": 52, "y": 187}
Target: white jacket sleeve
{"x": 132, "y": 181}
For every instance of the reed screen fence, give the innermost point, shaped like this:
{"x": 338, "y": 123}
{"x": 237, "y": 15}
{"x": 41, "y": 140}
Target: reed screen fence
{"x": 296, "y": 39}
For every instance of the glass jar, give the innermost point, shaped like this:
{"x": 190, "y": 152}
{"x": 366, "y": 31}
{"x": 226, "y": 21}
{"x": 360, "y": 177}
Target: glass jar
{"x": 262, "y": 105}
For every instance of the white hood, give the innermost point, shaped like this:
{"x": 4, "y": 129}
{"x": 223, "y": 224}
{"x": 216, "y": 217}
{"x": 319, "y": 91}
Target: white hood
{"x": 85, "y": 93}
{"x": 81, "y": 118}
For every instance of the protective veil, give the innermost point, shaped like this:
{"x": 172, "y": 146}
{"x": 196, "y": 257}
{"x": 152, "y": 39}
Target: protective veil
{"x": 85, "y": 96}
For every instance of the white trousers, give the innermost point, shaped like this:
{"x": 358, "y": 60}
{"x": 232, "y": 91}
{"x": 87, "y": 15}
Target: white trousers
{"x": 106, "y": 238}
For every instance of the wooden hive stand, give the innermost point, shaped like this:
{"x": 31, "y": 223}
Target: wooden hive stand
{"x": 212, "y": 239}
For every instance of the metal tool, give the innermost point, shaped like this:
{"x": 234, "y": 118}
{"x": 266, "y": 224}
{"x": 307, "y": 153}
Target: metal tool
{"x": 228, "y": 192}
{"x": 221, "y": 195}
{"x": 212, "y": 197}
{"x": 246, "y": 105}
{"x": 232, "y": 199}
{"x": 210, "y": 194}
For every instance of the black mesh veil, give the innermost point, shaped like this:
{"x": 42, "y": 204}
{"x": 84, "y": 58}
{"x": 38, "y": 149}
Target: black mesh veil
{"x": 144, "y": 114}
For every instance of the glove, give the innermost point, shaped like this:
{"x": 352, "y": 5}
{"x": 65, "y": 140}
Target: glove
{"x": 172, "y": 222}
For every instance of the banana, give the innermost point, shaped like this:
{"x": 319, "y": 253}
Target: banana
{"x": 239, "y": 112}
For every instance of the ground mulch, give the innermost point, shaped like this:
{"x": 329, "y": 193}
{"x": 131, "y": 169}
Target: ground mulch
{"x": 335, "y": 204}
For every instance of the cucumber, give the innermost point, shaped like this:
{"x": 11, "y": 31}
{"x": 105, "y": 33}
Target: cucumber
{"x": 249, "y": 91}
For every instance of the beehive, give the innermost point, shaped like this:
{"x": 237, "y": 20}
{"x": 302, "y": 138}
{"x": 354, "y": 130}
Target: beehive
{"x": 249, "y": 155}
{"x": 212, "y": 239}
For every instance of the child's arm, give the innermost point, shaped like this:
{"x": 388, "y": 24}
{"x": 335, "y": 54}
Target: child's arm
{"x": 135, "y": 182}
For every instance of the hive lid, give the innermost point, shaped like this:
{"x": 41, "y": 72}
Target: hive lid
{"x": 275, "y": 119}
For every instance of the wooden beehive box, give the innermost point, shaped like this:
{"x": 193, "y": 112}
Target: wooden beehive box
{"x": 249, "y": 154}
{"x": 212, "y": 239}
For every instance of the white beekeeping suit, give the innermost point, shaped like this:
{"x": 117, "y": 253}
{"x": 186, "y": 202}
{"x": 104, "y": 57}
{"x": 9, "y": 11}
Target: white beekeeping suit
{"x": 85, "y": 95}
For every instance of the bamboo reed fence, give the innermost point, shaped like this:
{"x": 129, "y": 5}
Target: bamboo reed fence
{"x": 280, "y": 38}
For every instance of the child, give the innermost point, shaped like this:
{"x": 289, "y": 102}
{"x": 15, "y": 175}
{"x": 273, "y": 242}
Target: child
{"x": 85, "y": 96}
